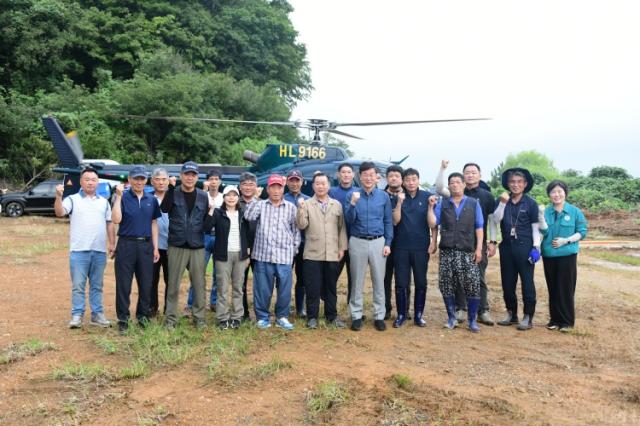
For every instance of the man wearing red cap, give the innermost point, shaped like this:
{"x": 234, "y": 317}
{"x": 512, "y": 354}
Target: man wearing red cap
{"x": 276, "y": 243}
{"x": 294, "y": 195}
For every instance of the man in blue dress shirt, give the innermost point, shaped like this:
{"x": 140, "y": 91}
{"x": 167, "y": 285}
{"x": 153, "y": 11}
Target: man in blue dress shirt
{"x": 368, "y": 214}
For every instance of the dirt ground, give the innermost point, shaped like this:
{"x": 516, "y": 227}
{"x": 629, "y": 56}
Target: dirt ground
{"x": 402, "y": 376}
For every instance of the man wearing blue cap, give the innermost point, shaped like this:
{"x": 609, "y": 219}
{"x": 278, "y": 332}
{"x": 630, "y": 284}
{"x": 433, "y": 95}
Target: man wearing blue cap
{"x": 517, "y": 214}
{"x": 136, "y": 212}
{"x": 188, "y": 209}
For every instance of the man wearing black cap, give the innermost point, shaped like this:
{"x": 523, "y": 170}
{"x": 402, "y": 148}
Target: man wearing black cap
{"x": 294, "y": 195}
{"x": 517, "y": 214}
{"x": 212, "y": 187}
{"x": 136, "y": 212}
{"x": 188, "y": 209}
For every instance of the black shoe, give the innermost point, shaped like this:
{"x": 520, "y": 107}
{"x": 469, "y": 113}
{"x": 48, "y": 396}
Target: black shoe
{"x": 246, "y": 318}
{"x": 420, "y": 322}
{"x": 235, "y": 324}
{"x": 510, "y": 319}
{"x": 356, "y": 324}
{"x": 380, "y": 325}
{"x": 212, "y": 308}
{"x": 123, "y": 327}
{"x": 301, "y": 314}
{"x": 224, "y": 325}
{"x": 398, "y": 322}
{"x": 387, "y": 316}
{"x": 312, "y": 323}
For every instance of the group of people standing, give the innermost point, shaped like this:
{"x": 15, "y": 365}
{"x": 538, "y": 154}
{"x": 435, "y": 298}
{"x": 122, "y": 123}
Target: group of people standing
{"x": 392, "y": 232}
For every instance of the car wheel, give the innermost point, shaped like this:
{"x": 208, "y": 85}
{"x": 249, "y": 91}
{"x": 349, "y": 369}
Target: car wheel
{"x": 14, "y": 209}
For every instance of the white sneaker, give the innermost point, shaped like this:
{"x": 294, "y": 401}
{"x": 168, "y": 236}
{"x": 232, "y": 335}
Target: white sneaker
{"x": 100, "y": 320}
{"x": 284, "y": 323}
{"x": 76, "y": 322}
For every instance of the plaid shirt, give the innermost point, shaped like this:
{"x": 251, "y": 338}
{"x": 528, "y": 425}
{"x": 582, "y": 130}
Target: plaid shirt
{"x": 277, "y": 236}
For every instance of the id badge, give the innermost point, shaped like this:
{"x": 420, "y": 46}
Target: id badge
{"x": 513, "y": 232}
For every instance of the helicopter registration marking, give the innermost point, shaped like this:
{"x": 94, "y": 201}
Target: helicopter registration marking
{"x": 314, "y": 152}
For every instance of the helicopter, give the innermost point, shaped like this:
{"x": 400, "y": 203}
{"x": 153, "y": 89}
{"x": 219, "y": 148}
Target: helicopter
{"x": 278, "y": 158}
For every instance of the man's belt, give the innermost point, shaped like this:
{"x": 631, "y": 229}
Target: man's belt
{"x": 369, "y": 237}
{"x": 140, "y": 239}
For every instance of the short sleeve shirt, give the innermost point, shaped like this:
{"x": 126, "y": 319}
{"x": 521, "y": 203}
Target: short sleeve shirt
{"x": 89, "y": 217}
{"x": 137, "y": 214}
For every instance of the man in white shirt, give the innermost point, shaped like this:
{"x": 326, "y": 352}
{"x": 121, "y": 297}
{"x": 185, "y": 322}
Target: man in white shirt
{"x": 91, "y": 226}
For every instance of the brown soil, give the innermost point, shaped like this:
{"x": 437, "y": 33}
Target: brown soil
{"x": 499, "y": 376}
{"x": 619, "y": 223}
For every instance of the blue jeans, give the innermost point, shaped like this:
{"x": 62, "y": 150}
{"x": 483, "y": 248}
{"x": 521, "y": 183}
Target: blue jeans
{"x": 87, "y": 264}
{"x": 264, "y": 276}
{"x": 209, "y": 241}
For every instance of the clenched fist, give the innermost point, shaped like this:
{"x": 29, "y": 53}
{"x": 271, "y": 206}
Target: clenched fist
{"x": 300, "y": 202}
{"x": 205, "y": 185}
{"x": 444, "y": 164}
{"x": 119, "y": 190}
{"x": 432, "y": 201}
{"x": 504, "y": 197}
{"x": 59, "y": 190}
{"x": 355, "y": 196}
{"x": 172, "y": 181}
{"x": 401, "y": 197}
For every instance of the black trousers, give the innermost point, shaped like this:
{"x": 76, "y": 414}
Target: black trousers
{"x": 298, "y": 267}
{"x": 164, "y": 264}
{"x": 461, "y": 297}
{"x": 321, "y": 278}
{"x": 561, "y": 274}
{"x": 345, "y": 261}
{"x": 388, "y": 278}
{"x": 514, "y": 262}
{"x": 407, "y": 261}
{"x": 133, "y": 258}
{"x": 245, "y": 301}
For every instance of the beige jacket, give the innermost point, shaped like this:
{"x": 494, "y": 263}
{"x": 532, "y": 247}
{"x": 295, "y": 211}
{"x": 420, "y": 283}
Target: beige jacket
{"x": 325, "y": 233}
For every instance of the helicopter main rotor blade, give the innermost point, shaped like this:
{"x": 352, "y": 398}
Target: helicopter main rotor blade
{"x": 385, "y": 123}
{"x": 214, "y": 120}
{"x": 338, "y": 132}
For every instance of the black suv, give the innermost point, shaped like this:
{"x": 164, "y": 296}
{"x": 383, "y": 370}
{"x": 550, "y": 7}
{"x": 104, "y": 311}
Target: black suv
{"x": 38, "y": 199}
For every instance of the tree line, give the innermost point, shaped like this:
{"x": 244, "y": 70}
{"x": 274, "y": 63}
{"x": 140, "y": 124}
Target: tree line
{"x": 88, "y": 62}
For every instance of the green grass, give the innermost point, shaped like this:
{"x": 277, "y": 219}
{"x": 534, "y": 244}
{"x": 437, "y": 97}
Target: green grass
{"x": 612, "y": 256}
{"x": 105, "y": 343}
{"x": 134, "y": 371}
{"x": 270, "y": 368}
{"x": 32, "y": 347}
{"x": 326, "y": 396}
{"x": 402, "y": 381}
{"x": 157, "y": 346}
{"x": 76, "y": 371}
{"x": 227, "y": 349}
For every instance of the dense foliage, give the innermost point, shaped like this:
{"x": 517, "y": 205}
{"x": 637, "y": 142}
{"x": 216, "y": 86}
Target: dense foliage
{"x": 89, "y": 61}
{"x": 605, "y": 188}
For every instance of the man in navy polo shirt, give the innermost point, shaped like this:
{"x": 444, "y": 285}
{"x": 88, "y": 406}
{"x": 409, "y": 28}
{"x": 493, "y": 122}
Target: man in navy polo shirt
{"x": 517, "y": 214}
{"x": 394, "y": 189}
{"x": 342, "y": 193}
{"x": 369, "y": 216}
{"x": 137, "y": 250}
{"x": 294, "y": 185}
{"x": 412, "y": 246}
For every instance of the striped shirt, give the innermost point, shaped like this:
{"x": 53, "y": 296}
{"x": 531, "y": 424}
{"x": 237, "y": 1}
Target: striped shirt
{"x": 233, "y": 244}
{"x": 277, "y": 236}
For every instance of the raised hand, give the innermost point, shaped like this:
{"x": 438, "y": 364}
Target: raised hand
{"x": 172, "y": 181}
{"x": 355, "y": 196}
{"x": 504, "y": 197}
{"x": 444, "y": 164}
{"x": 59, "y": 190}
{"x": 119, "y": 190}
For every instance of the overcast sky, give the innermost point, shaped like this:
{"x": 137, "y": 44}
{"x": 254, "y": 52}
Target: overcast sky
{"x": 560, "y": 77}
